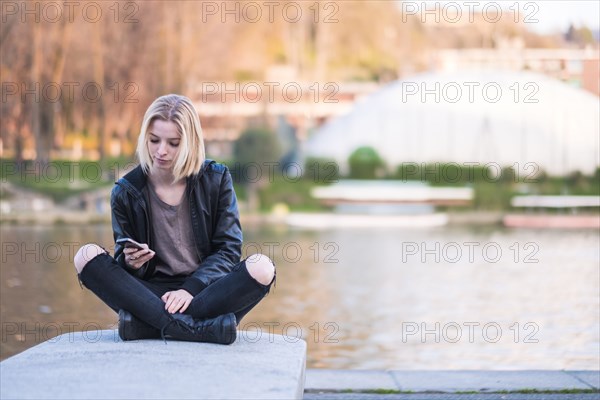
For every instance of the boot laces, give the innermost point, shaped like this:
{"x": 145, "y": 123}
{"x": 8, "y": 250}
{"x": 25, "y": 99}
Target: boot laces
{"x": 177, "y": 322}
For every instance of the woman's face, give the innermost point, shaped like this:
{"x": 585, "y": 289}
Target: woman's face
{"x": 163, "y": 143}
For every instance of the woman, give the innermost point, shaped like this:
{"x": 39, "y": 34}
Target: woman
{"x": 185, "y": 281}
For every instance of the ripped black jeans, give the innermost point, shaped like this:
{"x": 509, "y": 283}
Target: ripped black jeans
{"x": 237, "y": 292}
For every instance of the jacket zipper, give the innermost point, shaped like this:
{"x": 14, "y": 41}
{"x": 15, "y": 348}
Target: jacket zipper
{"x": 194, "y": 228}
{"x": 141, "y": 203}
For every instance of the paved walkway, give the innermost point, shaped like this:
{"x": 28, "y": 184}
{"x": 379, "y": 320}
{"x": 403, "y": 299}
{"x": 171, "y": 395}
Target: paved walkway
{"x": 323, "y": 380}
{"x": 322, "y": 384}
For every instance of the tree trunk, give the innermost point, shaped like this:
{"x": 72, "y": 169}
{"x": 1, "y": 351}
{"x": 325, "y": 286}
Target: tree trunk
{"x": 99, "y": 80}
{"x": 41, "y": 151}
{"x": 61, "y": 121}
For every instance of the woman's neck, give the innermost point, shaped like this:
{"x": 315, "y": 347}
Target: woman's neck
{"x": 161, "y": 178}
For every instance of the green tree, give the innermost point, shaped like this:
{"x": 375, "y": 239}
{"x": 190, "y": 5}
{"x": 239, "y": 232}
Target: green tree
{"x": 365, "y": 163}
{"x": 255, "y": 152}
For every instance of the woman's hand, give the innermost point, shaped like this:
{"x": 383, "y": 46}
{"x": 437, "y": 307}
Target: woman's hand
{"x": 177, "y": 300}
{"x": 135, "y": 258}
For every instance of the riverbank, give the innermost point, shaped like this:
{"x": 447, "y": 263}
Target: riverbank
{"x": 65, "y": 216}
{"x": 69, "y": 216}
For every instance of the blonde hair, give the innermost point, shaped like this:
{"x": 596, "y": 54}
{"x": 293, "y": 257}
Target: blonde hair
{"x": 181, "y": 111}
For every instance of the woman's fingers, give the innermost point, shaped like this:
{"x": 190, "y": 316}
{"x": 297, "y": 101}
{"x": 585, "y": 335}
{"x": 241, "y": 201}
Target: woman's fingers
{"x": 139, "y": 257}
{"x": 145, "y": 256}
{"x": 169, "y": 301}
{"x": 140, "y": 253}
{"x": 185, "y": 305}
{"x": 177, "y": 301}
{"x": 136, "y": 258}
{"x": 175, "y": 304}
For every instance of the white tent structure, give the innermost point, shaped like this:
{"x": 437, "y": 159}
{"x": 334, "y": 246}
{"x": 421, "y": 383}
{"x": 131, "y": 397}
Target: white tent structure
{"x": 500, "y": 117}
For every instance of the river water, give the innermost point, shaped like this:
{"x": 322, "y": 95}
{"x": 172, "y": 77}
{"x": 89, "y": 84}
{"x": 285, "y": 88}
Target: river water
{"x": 435, "y": 298}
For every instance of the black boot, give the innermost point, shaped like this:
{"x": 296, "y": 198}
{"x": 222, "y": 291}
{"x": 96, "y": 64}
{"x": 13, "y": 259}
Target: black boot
{"x": 221, "y": 330}
{"x": 132, "y": 328}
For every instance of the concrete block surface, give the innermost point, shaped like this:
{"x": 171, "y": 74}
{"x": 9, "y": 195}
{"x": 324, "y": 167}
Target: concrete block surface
{"x": 98, "y": 365}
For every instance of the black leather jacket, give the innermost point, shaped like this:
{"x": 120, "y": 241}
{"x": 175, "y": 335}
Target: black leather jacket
{"x": 215, "y": 222}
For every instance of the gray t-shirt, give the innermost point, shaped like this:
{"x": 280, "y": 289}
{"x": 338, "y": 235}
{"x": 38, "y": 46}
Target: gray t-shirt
{"x": 172, "y": 235}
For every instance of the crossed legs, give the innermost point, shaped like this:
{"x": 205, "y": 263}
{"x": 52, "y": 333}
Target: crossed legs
{"x": 237, "y": 292}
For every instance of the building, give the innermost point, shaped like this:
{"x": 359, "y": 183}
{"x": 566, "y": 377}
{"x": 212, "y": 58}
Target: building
{"x": 577, "y": 67}
{"x": 498, "y": 118}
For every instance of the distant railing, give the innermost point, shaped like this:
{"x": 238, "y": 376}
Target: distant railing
{"x": 556, "y": 201}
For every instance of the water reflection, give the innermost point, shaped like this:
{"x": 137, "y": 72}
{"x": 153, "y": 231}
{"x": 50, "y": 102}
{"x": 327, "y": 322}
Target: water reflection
{"x": 502, "y": 299}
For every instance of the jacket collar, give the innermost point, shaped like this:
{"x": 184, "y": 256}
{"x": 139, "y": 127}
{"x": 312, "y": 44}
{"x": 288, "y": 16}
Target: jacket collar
{"x": 136, "y": 179}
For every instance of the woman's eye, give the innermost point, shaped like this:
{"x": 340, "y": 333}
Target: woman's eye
{"x": 175, "y": 144}
{"x": 153, "y": 141}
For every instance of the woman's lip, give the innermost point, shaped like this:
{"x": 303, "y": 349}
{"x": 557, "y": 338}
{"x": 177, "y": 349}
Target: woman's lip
{"x": 161, "y": 160}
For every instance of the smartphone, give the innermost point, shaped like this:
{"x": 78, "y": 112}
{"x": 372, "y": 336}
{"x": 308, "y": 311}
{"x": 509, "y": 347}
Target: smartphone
{"x": 127, "y": 242}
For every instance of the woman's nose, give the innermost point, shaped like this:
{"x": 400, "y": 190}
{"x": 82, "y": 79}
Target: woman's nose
{"x": 162, "y": 148}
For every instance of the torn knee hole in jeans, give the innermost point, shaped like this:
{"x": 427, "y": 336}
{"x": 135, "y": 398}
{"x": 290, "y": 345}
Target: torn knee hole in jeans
{"x": 273, "y": 282}
{"x": 106, "y": 252}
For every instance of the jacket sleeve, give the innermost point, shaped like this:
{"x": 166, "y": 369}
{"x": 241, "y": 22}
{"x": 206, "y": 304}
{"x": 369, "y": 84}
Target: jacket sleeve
{"x": 225, "y": 243}
{"x": 122, "y": 228}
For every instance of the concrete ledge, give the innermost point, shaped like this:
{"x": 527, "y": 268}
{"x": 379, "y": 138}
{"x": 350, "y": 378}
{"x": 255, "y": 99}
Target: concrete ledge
{"x": 450, "y": 381}
{"x": 98, "y": 365}
{"x": 591, "y": 378}
{"x": 331, "y": 380}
